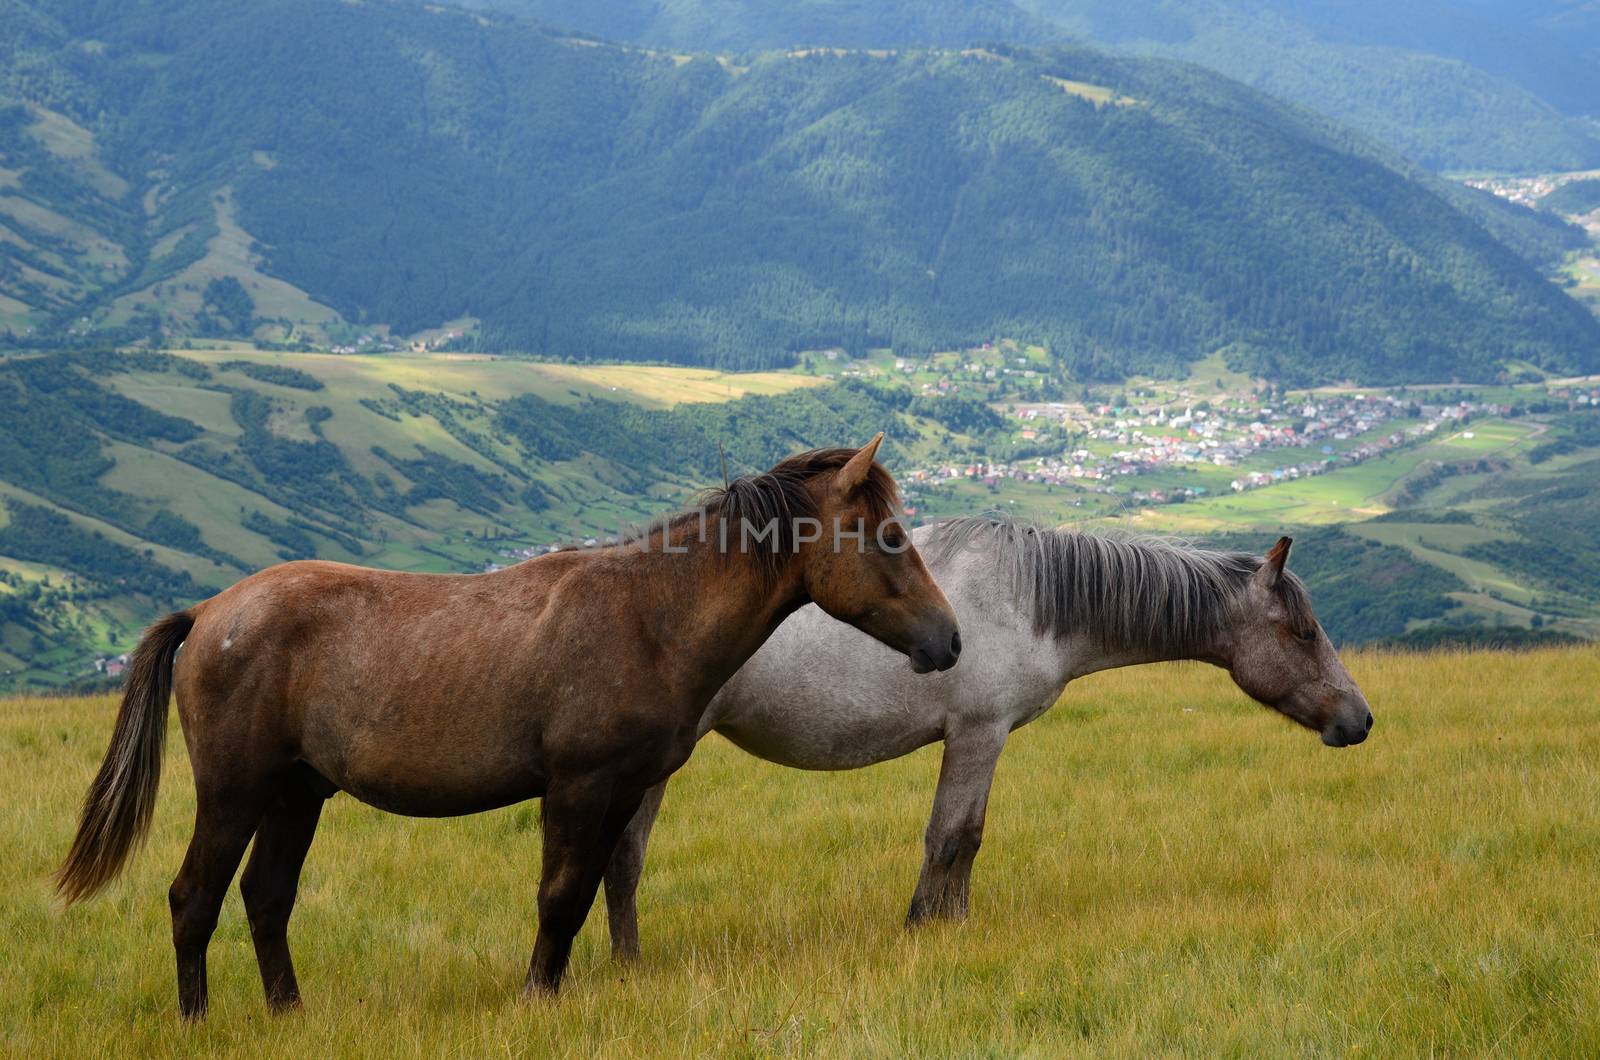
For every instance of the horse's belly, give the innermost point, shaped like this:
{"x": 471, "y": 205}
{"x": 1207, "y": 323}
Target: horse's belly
{"x": 424, "y": 771}
{"x": 831, "y": 739}
{"x": 437, "y": 804}
{"x": 436, "y": 794}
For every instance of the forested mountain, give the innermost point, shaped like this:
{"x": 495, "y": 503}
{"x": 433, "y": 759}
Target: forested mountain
{"x": 285, "y": 165}
{"x": 764, "y": 25}
{"x": 1455, "y": 84}
{"x": 1469, "y": 84}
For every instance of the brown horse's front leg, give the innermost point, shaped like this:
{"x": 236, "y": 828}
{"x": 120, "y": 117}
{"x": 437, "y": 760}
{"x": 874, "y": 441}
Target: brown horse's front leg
{"x": 582, "y": 822}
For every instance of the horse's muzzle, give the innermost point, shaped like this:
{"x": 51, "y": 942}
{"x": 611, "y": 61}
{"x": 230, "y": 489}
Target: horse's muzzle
{"x": 1347, "y": 734}
{"x": 941, "y": 657}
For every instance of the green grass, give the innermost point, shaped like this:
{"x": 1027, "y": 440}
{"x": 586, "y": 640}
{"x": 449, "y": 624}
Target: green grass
{"x": 1346, "y": 495}
{"x": 662, "y": 385}
{"x": 1481, "y": 439}
{"x": 1168, "y": 869}
{"x": 1205, "y": 375}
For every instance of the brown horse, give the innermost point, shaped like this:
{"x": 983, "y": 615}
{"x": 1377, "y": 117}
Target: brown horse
{"x": 579, "y": 677}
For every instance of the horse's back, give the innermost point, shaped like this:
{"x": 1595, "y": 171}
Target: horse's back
{"x": 290, "y": 616}
{"x": 371, "y": 676}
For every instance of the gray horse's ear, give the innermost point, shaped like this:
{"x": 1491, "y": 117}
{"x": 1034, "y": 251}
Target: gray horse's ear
{"x": 1271, "y": 572}
{"x": 854, "y": 473}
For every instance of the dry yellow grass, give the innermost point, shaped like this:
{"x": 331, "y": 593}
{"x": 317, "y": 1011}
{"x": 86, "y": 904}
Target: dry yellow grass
{"x": 1167, "y": 869}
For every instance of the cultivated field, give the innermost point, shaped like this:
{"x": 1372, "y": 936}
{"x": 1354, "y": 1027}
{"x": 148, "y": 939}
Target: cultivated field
{"x": 1167, "y": 868}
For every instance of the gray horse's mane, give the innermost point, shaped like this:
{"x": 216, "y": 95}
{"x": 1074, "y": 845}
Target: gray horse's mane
{"x": 1132, "y": 591}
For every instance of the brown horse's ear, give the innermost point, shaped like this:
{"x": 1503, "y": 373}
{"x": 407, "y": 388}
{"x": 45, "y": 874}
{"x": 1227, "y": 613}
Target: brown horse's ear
{"x": 854, "y": 473}
{"x": 1271, "y": 572}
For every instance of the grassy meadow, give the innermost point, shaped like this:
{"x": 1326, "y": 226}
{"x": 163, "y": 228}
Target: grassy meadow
{"x": 1168, "y": 868}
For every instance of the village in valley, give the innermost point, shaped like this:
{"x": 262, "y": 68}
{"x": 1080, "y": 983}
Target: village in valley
{"x": 1138, "y": 439}
{"x": 1069, "y": 452}
{"x": 1153, "y": 442}
{"x": 1527, "y": 190}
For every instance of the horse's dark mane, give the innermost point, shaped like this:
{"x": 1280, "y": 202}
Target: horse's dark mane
{"x": 779, "y": 496}
{"x": 1135, "y": 592}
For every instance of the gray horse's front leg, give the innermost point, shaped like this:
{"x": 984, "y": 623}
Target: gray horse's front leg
{"x": 956, "y": 828}
{"x": 622, "y": 877}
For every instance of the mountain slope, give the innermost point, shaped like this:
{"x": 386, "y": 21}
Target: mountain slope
{"x": 1490, "y": 84}
{"x": 1485, "y": 84}
{"x": 759, "y": 25}
{"x": 387, "y": 164}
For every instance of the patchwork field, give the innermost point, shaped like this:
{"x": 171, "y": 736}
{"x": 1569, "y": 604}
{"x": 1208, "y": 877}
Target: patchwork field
{"x": 1349, "y": 494}
{"x": 497, "y": 378}
{"x": 1167, "y": 869}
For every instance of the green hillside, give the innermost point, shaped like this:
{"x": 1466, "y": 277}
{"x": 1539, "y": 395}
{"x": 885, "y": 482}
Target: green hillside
{"x": 131, "y": 483}
{"x": 1488, "y": 84}
{"x": 1573, "y": 197}
{"x": 1497, "y": 516}
{"x": 302, "y": 171}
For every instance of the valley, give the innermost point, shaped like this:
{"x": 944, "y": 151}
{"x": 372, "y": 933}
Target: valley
{"x": 139, "y": 481}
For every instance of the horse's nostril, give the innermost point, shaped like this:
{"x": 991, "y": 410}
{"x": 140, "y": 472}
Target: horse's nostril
{"x": 1369, "y": 721}
{"x": 955, "y": 644}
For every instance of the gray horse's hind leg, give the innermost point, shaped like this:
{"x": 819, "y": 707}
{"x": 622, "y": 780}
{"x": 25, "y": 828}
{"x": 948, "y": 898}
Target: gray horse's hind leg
{"x": 956, "y": 828}
{"x": 622, "y": 877}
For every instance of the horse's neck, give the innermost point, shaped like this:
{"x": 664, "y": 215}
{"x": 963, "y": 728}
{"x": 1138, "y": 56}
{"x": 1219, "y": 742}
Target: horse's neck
{"x": 722, "y": 606}
{"x": 1096, "y": 647}
{"x": 1086, "y": 653}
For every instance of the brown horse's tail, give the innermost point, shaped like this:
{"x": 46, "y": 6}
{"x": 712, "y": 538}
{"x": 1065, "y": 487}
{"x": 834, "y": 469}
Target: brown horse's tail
{"x": 116, "y": 812}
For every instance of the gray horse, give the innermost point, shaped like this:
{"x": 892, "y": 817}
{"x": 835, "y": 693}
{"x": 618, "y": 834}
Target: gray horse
{"x": 1037, "y": 608}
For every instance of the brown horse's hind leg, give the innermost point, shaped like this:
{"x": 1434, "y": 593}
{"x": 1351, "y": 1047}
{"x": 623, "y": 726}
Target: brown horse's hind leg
{"x": 271, "y": 878}
{"x": 582, "y": 823}
{"x": 223, "y": 822}
{"x": 622, "y": 877}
